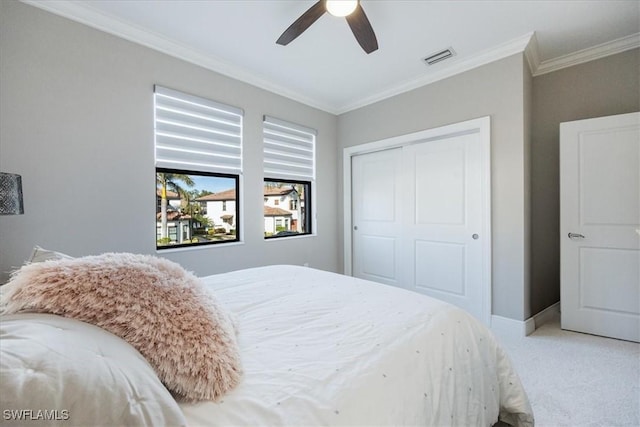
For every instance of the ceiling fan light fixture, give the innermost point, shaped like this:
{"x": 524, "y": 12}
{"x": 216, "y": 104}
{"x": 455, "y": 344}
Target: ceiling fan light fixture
{"x": 351, "y": 10}
{"x": 341, "y": 8}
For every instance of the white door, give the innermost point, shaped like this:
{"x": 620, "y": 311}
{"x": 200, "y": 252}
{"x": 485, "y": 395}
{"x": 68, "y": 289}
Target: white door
{"x": 443, "y": 220}
{"x": 421, "y": 215}
{"x": 377, "y": 184}
{"x": 600, "y": 226}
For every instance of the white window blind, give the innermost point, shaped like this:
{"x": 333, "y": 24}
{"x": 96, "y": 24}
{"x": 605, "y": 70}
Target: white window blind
{"x": 289, "y": 150}
{"x": 197, "y": 134}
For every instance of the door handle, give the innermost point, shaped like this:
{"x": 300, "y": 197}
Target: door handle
{"x": 575, "y": 236}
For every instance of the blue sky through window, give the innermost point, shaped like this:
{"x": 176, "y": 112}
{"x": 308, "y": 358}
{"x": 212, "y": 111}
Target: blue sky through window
{"x": 212, "y": 183}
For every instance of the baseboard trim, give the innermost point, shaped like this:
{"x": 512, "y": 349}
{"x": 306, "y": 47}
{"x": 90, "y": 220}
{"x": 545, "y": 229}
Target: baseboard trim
{"x": 503, "y": 326}
{"x": 547, "y": 315}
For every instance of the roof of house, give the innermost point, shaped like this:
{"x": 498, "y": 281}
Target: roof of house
{"x": 220, "y": 196}
{"x": 271, "y": 211}
{"x": 231, "y": 194}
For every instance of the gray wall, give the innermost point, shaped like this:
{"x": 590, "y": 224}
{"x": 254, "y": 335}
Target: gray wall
{"x": 76, "y": 121}
{"x": 603, "y": 87}
{"x": 497, "y": 90}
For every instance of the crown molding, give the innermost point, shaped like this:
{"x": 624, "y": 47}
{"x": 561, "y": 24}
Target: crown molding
{"x": 589, "y": 54}
{"x": 84, "y": 14}
{"x": 527, "y": 44}
{"x": 532, "y": 54}
{"x": 91, "y": 17}
{"x": 461, "y": 65}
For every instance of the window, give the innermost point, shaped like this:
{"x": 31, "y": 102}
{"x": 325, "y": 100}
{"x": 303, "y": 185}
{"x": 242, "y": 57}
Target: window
{"x": 289, "y": 176}
{"x": 198, "y": 150}
{"x": 185, "y": 193}
{"x": 281, "y": 222}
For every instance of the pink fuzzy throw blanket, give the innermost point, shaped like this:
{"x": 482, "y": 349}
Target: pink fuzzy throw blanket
{"x": 152, "y": 303}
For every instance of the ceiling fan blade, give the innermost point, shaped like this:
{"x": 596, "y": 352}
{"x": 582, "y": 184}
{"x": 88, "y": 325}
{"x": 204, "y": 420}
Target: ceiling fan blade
{"x": 302, "y": 23}
{"x": 361, "y": 28}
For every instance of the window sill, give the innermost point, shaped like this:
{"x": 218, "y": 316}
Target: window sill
{"x": 197, "y": 248}
{"x": 302, "y": 236}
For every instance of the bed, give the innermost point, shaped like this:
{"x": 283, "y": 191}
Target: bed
{"x": 317, "y": 348}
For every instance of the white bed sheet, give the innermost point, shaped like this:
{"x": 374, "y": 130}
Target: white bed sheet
{"x": 320, "y": 348}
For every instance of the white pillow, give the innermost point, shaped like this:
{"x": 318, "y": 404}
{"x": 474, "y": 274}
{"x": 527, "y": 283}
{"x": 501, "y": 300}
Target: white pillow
{"x": 154, "y": 304}
{"x": 55, "y": 368}
{"x": 40, "y": 254}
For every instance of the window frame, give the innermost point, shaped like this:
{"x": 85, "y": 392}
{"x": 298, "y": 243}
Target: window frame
{"x": 308, "y": 216}
{"x": 236, "y": 179}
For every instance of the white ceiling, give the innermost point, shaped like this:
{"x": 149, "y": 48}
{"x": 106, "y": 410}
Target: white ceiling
{"x": 326, "y": 68}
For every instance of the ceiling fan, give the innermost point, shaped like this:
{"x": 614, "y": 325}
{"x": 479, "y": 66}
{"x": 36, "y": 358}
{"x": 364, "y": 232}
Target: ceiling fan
{"x": 350, "y": 9}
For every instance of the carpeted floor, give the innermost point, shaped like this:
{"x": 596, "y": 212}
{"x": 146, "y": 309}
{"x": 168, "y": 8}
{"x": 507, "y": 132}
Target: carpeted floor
{"x": 575, "y": 379}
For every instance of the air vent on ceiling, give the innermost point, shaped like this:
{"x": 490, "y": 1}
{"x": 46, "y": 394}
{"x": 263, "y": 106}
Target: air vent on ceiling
{"x": 439, "y": 56}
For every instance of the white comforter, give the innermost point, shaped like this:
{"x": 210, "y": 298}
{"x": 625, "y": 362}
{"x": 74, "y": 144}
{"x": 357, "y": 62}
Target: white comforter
{"x": 320, "y": 348}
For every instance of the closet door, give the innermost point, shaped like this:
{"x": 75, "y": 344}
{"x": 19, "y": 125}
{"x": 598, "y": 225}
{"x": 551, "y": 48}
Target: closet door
{"x": 377, "y": 222}
{"x": 420, "y": 214}
{"x": 417, "y": 219}
{"x": 443, "y": 220}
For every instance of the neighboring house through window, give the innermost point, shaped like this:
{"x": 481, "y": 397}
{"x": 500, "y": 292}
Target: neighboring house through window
{"x": 221, "y": 208}
{"x": 198, "y": 152}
